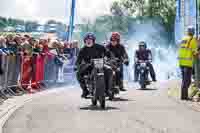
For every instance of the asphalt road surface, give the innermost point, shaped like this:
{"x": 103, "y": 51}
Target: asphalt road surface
{"x": 136, "y": 111}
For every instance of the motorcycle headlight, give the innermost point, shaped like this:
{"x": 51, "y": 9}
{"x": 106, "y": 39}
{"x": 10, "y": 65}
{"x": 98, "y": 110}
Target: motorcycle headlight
{"x": 86, "y": 76}
{"x": 143, "y": 64}
{"x": 98, "y": 63}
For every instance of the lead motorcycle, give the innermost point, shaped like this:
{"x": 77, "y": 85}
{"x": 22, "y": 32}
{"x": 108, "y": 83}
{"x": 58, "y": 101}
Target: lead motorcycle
{"x": 95, "y": 82}
{"x": 143, "y": 74}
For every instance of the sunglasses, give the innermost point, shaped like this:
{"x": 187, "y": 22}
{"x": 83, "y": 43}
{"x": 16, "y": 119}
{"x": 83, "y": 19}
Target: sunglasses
{"x": 113, "y": 40}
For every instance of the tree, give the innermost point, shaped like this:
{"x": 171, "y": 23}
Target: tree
{"x": 14, "y": 22}
{"x": 51, "y": 22}
{"x": 119, "y": 20}
{"x": 3, "y": 22}
{"x": 165, "y": 10}
{"x": 134, "y": 7}
{"x": 161, "y": 10}
{"x": 61, "y": 27}
{"x": 116, "y": 9}
{"x": 31, "y": 26}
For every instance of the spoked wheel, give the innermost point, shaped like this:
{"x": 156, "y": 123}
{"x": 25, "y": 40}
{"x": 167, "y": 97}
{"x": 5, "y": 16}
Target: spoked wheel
{"x": 102, "y": 101}
{"x": 116, "y": 91}
{"x": 94, "y": 101}
{"x": 142, "y": 82}
{"x": 112, "y": 96}
{"x": 143, "y": 86}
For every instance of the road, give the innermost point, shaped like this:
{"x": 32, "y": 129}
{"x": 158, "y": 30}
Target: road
{"x": 136, "y": 111}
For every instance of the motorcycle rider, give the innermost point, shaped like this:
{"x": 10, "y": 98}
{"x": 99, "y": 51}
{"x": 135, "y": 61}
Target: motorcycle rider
{"x": 144, "y": 54}
{"x": 91, "y": 50}
{"x": 118, "y": 51}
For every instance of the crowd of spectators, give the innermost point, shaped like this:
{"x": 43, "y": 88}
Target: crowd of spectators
{"x": 23, "y": 64}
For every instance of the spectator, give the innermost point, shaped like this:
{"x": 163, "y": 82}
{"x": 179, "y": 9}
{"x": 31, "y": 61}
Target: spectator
{"x": 25, "y": 66}
{"x": 2, "y": 42}
{"x": 67, "y": 50}
{"x": 11, "y": 44}
{"x": 27, "y": 47}
{"x": 75, "y": 48}
{"x": 2, "y": 45}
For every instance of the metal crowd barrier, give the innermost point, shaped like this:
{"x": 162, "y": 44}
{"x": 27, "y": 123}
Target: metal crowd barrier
{"x": 51, "y": 70}
{"x": 69, "y": 75}
{"x": 9, "y": 84}
{"x": 30, "y": 74}
{"x": 43, "y": 71}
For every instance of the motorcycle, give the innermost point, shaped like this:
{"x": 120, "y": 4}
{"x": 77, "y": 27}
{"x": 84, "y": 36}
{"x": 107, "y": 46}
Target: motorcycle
{"x": 143, "y": 74}
{"x": 95, "y": 82}
{"x": 114, "y": 65}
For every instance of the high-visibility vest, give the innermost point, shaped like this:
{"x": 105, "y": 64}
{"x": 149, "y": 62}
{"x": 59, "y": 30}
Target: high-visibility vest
{"x": 187, "y": 50}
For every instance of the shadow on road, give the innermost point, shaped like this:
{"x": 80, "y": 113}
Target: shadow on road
{"x": 119, "y": 99}
{"x": 148, "y": 89}
{"x": 98, "y": 108}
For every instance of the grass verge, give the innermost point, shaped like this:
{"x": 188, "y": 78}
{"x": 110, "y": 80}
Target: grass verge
{"x": 193, "y": 91}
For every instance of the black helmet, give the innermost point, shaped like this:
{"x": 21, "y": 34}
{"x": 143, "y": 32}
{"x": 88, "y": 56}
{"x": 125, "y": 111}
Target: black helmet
{"x": 142, "y": 43}
{"x": 90, "y": 36}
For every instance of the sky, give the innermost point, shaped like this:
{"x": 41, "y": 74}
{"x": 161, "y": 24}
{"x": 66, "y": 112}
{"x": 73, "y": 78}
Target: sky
{"x": 42, "y": 10}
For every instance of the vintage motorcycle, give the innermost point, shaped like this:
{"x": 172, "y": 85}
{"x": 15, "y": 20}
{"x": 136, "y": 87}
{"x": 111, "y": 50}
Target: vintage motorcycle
{"x": 143, "y": 74}
{"x": 95, "y": 82}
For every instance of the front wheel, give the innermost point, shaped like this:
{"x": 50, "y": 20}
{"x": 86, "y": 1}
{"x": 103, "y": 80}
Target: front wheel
{"x": 143, "y": 86}
{"x": 94, "y": 101}
{"x": 102, "y": 101}
{"x": 142, "y": 81}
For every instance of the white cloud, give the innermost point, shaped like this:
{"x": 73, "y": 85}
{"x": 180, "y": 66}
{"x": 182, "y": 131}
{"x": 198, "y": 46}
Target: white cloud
{"x": 58, "y": 9}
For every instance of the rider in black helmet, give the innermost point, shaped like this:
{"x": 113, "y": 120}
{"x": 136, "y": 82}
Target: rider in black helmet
{"x": 144, "y": 54}
{"x": 91, "y": 50}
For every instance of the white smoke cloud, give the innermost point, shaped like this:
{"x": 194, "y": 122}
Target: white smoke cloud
{"x": 56, "y": 9}
{"x": 164, "y": 54}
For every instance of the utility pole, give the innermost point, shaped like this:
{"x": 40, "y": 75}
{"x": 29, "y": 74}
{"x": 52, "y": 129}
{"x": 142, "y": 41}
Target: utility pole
{"x": 197, "y": 60}
{"x": 71, "y": 21}
{"x": 88, "y": 25}
{"x": 197, "y": 18}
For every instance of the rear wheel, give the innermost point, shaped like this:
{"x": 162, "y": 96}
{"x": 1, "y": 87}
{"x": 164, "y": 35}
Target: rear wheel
{"x": 100, "y": 86}
{"x": 112, "y": 96}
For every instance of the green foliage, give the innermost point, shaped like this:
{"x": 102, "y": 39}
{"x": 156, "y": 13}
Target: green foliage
{"x": 14, "y": 22}
{"x": 51, "y": 22}
{"x": 134, "y": 7}
{"x": 198, "y": 4}
{"x": 193, "y": 91}
{"x": 127, "y": 13}
{"x": 166, "y": 10}
{"x": 103, "y": 25}
{"x": 30, "y": 25}
{"x": 116, "y": 9}
{"x": 3, "y": 22}
{"x": 162, "y": 9}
